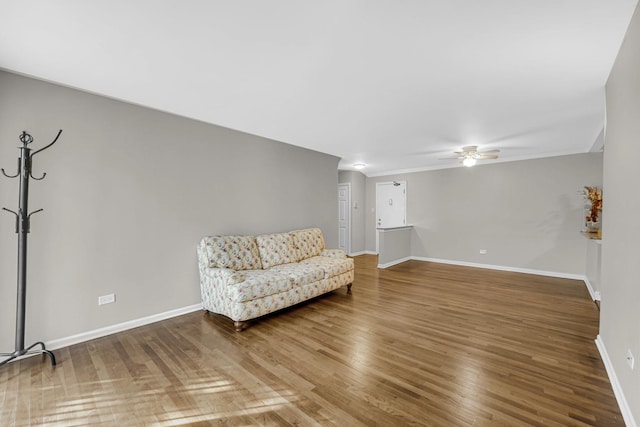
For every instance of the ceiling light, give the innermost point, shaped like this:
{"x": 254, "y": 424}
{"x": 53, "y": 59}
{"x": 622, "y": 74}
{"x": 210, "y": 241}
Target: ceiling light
{"x": 469, "y": 161}
{"x": 359, "y": 166}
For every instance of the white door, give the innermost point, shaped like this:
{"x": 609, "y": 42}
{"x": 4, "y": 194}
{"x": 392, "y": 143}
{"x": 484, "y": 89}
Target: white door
{"x": 344, "y": 217}
{"x": 391, "y": 204}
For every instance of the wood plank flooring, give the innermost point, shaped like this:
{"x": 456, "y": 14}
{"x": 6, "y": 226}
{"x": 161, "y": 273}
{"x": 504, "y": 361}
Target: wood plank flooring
{"x": 416, "y": 344}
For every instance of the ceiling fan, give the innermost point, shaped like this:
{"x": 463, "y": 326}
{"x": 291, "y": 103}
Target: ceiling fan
{"x": 470, "y": 155}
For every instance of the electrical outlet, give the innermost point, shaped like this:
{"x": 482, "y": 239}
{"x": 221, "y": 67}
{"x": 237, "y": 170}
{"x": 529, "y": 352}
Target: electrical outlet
{"x": 630, "y": 359}
{"x": 483, "y": 251}
{"x": 106, "y": 299}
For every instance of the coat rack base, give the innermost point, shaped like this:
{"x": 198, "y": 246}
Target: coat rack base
{"x": 28, "y": 351}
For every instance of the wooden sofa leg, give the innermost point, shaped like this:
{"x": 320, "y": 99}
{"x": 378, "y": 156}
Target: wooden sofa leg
{"x": 349, "y": 288}
{"x": 240, "y": 326}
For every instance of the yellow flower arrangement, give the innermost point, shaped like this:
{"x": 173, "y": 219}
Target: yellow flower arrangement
{"x": 594, "y": 195}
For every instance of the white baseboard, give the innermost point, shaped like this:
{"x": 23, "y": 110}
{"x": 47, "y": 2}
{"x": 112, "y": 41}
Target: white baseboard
{"x": 370, "y": 253}
{"x": 595, "y": 295}
{"x": 590, "y": 289}
{"x": 398, "y": 261}
{"x": 358, "y": 253}
{"x": 503, "y": 268}
{"x": 615, "y": 384}
{"x": 108, "y": 330}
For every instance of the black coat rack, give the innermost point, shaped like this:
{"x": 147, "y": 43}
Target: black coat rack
{"x": 23, "y": 219}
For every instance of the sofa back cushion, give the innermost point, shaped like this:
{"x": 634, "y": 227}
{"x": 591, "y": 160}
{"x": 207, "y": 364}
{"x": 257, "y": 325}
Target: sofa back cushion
{"x": 276, "y": 249}
{"x": 308, "y": 243}
{"x": 234, "y": 252}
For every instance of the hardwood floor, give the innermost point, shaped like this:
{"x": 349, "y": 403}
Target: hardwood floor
{"x": 416, "y": 344}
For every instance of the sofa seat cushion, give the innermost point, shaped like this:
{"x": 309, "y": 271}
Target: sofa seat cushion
{"x": 331, "y": 266}
{"x": 276, "y": 249}
{"x": 308, "y": 243}
{"x": 301, "y": 274}
{"x": 233, "y": 252}
{"x": 334, "y": 253}
{"x": 259, "y": 284}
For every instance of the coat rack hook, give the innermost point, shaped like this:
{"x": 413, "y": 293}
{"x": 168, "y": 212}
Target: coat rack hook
{"x": 47, "y": 146}
{"x": 17, "y": 217}
{"x": 12, "y": 176}
{"x": 9, "y": 210}
{"x": 37, "y": 151}
{"x": 38, "y": 179}
{"x": 34, "y": 212}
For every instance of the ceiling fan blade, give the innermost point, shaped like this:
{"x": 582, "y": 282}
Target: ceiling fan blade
{"x": 471, "y": 152}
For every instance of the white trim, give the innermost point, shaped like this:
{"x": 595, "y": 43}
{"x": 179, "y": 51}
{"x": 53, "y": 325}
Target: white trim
{"x": 615, "y": 384}
{"x": 370, "y": 253}
{"x": 503, "y": 268}
{"x": 590, "y": 289}
{"x": 108, "y": 330}
{"x": 358, "y": 253}
{"x": 390, "y": 229}
{"x": 397, "y": 261}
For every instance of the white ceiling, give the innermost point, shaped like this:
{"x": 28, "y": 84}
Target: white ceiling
{"x": 394, "y": 84}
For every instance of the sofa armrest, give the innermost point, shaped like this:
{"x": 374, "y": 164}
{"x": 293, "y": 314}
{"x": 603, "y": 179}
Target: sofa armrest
{"x": 225, "y": 276}
{"x": 334, "y": 253}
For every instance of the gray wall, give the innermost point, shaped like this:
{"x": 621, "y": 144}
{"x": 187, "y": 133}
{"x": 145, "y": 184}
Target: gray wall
{"x": 526, "y": 214}
{"x": 394, "y": 246}
{"x": 358, "y": 215}
{"x": 620, "y": 309}
{"x": 129, "y": 193}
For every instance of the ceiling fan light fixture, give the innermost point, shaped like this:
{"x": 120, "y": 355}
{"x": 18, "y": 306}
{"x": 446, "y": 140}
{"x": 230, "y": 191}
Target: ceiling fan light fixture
{"x": 469, "y": 161}
{"x": 359, "y": 166}
{"x": 469, "y": 155}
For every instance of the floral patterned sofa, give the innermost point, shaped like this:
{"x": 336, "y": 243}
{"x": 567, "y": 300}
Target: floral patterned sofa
{"x": 244, "y": 277}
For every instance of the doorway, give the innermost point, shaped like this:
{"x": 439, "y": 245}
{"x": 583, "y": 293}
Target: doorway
{"x": 344, "y": 217}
